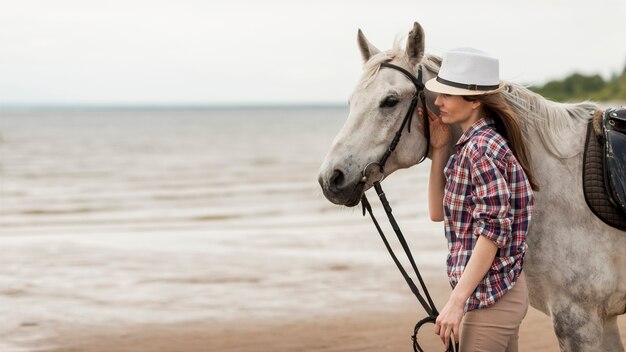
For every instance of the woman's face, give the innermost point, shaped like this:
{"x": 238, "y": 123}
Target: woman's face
{"x": 455, "y": 109}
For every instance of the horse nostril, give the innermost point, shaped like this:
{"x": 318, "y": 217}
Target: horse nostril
{"x": 336, "y": 180}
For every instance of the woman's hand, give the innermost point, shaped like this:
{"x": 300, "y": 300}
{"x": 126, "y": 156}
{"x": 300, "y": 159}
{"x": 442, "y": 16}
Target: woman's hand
{"x": 449, "y": 321}
{"x": 439, "y": 132}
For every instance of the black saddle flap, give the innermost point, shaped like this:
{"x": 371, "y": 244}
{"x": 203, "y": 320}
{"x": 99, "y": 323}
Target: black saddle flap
{"x": 614, "y": 133}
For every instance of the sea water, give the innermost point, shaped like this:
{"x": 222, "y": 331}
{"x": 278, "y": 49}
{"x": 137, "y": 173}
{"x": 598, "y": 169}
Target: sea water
{"x": 138, "y": 216}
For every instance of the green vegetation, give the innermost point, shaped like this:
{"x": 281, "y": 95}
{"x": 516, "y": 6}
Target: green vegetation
{"x": 581, "y": 87}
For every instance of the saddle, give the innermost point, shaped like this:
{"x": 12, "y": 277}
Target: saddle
{"x": 604, "y": 167}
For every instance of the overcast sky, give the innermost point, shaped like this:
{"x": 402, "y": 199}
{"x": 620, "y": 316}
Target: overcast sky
{"x": 266, "y": 52}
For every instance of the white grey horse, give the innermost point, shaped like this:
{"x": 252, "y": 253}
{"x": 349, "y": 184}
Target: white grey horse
{"x": 575, "y": 264}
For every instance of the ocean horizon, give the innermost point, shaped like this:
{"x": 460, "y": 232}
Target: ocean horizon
{"x": 168, "y": 106}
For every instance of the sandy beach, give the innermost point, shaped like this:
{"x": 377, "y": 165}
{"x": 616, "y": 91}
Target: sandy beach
{"x": 201, "y": 231}
{"x": 356, "y": 332}
{"x": 361, "y": 330}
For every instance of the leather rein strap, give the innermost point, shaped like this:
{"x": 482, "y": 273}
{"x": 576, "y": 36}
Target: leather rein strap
{"x": 425, "y": 300}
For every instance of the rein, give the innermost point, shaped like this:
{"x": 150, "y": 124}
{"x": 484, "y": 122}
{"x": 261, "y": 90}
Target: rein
{"x": 425, "y": 300}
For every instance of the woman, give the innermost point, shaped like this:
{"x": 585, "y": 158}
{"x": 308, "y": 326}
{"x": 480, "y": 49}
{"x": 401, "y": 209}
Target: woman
{"x": 484, "y": 196}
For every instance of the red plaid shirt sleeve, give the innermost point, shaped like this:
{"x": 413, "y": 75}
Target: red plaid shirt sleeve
{"x": 492, "y": 211}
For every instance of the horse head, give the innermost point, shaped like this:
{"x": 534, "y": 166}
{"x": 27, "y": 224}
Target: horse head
{"x": 378, "y": 106}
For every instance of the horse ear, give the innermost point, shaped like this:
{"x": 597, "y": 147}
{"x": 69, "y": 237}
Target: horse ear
{"x": 367, "y": 49}
{"x": 415, "y": 45}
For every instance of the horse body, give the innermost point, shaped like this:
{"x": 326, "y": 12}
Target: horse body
{"x": 575, "y": 263}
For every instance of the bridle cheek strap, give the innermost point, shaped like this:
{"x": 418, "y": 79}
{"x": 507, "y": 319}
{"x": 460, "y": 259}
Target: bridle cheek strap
{"x": 419, "y": 95}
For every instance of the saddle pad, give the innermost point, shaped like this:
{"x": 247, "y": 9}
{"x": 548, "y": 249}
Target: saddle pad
{"x": 593, "y": 183}
{"x": 615, "y": 156}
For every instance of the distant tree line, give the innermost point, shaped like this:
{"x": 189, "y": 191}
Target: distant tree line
{"x": 582, "y": 87}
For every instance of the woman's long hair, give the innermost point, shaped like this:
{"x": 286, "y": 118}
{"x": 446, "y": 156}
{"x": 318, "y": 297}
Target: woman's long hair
{"x": 507, "y": 124}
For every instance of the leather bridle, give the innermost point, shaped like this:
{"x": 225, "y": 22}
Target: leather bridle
{"x": 425, "y": 300}
{"x": 418, "y": 96}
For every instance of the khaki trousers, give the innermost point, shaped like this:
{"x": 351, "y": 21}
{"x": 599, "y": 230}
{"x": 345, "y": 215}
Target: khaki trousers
{"x": 496, "y": 328}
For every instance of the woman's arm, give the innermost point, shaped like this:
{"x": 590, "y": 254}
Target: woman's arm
{"x": 440, "y": 138}
{"x": 436, "y": 183}
{"x": 479, "y": 263}
{"x": 449, "y": 320}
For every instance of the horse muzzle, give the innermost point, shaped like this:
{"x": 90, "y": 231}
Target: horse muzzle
{"x": 338, "y": 190}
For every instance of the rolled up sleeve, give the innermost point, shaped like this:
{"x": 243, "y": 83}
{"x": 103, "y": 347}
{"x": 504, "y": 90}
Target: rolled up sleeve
{"x": 491, "y": 215}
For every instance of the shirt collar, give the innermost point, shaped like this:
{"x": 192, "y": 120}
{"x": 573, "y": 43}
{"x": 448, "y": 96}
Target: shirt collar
{"x": 480, "y": 124}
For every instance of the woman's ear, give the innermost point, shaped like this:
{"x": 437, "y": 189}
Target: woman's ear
{"x": 476, "y": 104}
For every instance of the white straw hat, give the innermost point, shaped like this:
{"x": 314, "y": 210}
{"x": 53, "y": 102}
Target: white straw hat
{"x": 467, "y": 71}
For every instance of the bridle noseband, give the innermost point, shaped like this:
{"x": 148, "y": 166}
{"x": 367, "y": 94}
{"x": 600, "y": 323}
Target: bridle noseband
{"x": 427, "y": 303}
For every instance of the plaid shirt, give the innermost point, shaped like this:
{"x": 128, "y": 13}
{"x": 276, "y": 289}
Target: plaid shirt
{"x": 487, "y": 193}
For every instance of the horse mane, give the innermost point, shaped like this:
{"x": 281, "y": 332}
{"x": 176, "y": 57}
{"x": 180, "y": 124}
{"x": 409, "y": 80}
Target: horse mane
{"x": 372, "y": 66}
{"x": 546, "y": 117}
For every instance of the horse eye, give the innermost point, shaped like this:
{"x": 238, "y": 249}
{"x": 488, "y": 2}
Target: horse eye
{"x": 389, "y": 102}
